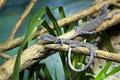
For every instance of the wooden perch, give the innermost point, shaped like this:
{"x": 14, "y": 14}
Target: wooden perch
{"x": 5, "y": 56}
{"x": 21, "y": 19}
{"x": 85, "y": 51}
{"x": 37, "y": 52}
{"x": 28, "y": 57}
{"x": 2, "y": 2}
{"x": 16, "y": 42}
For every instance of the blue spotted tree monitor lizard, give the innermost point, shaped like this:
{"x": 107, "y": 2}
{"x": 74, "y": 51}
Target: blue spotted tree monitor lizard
{"x": 86, "y": 28}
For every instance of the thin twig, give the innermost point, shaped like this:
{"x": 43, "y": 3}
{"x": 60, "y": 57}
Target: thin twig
{"x": 85, "y": 51}
{"x": 5, "y": 56}
{"x": 21, "y": 19}
{"x": 37, "y": 52}
{"x": 2, "y": 2}
{"x": 105, "y": 25}
{"x": 62, "y": 22}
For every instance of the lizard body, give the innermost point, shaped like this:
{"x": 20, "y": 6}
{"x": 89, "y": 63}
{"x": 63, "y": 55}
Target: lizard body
{"x": 91, "y": 25}
{"x": 72, "y": 43}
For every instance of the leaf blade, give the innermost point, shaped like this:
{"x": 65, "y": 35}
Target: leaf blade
{"x": 33, "y": 26}
{"x": 54, "y": 21}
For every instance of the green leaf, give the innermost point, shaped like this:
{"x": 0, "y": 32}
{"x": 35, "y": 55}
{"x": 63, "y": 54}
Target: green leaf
{"x": 17, "y": 62}
{"x": 22, "y": 75}
{"x": 61, "y": 12}
{"x": 71, "y": 25}
{"x": 56, "y": 75}
{"x": 54, "y": 21}
{"x": 107, "y": 42}
{"x": 89, "y": 75}
{"x": 62, "y": 15}
{"x": 38, "y": 16}
{"x": 31, "y": 73}
{"x": 33, "y": 26}
{"x": 84, "y": 20}
{"x": 49, "y": 29}
{"x": 37, "y": 68}
{"x": 76, "y": 58}
{"x": 46, "y": 71}
{"x": 115, "y": 70}
{"x": 102, "y": 73}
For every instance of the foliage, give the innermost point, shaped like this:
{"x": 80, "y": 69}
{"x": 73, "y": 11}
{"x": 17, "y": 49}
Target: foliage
{"x": 40, "y": 70}
{"x": 33, "y": 26}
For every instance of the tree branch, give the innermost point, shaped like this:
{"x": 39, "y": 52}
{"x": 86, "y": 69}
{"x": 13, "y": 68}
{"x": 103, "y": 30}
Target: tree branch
{"x": 5, "y": 56}
{"x": 2, "y": 2}
{"x": 85, "y": 51}
{"x": 13, "y": 43}
{"x": 38, "y": 52}
{"x": 28, "y": 58}
{"x": 21, "y": 19}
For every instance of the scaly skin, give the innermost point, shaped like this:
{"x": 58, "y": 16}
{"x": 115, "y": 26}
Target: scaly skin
{"x": 91, "y": 25}
{"x": 51, "y": 39}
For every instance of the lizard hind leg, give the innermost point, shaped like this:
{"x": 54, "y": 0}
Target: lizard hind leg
{"x": 92, "y": 54}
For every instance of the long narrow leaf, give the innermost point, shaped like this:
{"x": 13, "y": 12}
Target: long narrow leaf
{"x": 22, "y": 75}
{"x": 37, "y": 16}
{"x": 54, "y": 21}
{"x": 62, "y": 15}
{"x": 56, "y": 75}
{"x": 89, "y": 75}
{"x": 115, "y": 70}
{"x": 46, "y": 72}
{"x": 102, "y": 73}
{"x": 31, "y": 73}
{"x": 61, "y": 12}
{"x": 17, "y": 65}
{"x": 106, "y": 39}
{"x": 34, "y": 23}
{"x": 39, "y": 75}
{"x": 71, "y": 25}
{"x": 49, "y": 29}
